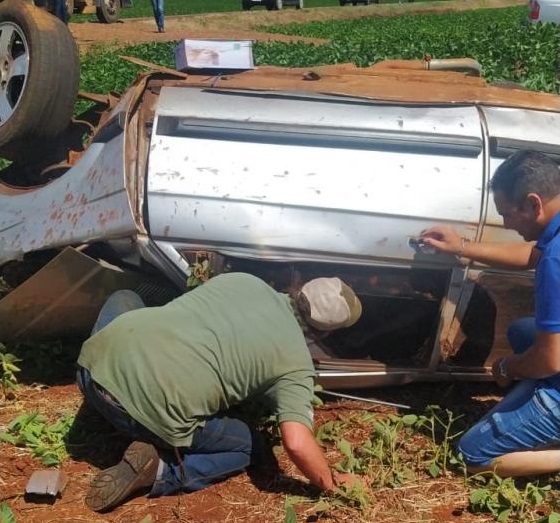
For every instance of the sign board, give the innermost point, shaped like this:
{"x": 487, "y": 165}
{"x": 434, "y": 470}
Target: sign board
{"x": 214, "y": 54}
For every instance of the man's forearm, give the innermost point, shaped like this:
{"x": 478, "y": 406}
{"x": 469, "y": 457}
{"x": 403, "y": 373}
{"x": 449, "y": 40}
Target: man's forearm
{"x": 306, "y": 455}
{"x": 517, "y": 256}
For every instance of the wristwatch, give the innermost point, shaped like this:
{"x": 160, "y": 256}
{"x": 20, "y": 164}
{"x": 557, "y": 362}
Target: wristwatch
{"x": 502, "y": 368}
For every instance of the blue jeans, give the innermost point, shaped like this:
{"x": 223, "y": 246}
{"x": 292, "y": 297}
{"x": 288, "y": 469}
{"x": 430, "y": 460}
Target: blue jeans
{"x": 220, "y": 449}
{"x": 526, "y": 419}
{"x": 158, "y": 7}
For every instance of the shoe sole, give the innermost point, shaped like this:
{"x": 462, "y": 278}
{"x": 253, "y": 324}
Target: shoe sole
{"x": 113, "y": 485}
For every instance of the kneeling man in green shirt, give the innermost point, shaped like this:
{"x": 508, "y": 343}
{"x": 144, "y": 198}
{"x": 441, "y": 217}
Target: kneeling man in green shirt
{"x": 167, "y": 377}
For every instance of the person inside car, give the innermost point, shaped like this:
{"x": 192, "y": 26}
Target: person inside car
{"x": 167, "y": 377}
{"x": 521, "y": 434}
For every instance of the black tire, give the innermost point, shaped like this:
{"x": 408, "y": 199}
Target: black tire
{"x": 41, "y": 74}
{"x": 342, "y": 2}
{"x": 299, "y": 4}
{"x": 246, "y": 6}
{"x": 109, "y": 11}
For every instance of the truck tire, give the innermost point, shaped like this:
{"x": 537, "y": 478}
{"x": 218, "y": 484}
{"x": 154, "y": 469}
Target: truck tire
{"x": 39, "y": 77}
{"x": 109, "y": 11}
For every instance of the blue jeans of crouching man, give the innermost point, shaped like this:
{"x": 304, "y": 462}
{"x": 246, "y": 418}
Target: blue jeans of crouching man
{"x": 220, "y": 449}
{"x": 526, "y": 419}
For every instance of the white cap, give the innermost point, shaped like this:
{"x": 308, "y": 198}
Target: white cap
{"x": 333, "y": 304}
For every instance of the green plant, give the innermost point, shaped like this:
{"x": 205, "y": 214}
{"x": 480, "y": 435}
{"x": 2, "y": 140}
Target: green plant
{"x": 8, "y": 369}
{"x": 438, "y": 423}
{"x": 502, "y": 498}
{"x": 47, "y": 441}
{"x": 6, "y": 514}
{"x": 381, "y": 453}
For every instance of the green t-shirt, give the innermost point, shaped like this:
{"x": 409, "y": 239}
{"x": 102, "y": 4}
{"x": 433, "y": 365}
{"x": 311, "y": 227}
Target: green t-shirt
{"x": 231, "y": 339}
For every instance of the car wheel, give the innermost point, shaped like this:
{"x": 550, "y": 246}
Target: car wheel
{"x": 109, "y": 11}
{"x": 246, "y": 6}
{"x": 342, "y": 2}
{"x": 39, "y": 75}
{"x": 299, "y": 4}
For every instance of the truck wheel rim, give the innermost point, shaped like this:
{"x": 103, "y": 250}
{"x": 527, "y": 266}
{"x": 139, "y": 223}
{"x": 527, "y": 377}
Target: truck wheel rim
{"x": 14, "y": 68}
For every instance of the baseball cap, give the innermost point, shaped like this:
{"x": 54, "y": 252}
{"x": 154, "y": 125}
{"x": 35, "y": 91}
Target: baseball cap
{"x": 333, "y": 304}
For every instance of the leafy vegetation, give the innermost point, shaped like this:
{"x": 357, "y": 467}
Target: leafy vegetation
{"x": 47, "y": 441}
{"x": 8, "y": 371}
{"x": 392, "y": 451}
{"x": 6, "y": 514}
{"x": 507, "y": 49}
{"x": 503, "y": 499}
{"x": 143, "y": 8}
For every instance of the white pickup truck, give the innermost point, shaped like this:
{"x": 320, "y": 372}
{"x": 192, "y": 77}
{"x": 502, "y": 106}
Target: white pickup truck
{"x": 288, "y": 174}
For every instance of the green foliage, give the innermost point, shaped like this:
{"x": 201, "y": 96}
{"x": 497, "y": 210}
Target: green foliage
{"x": 502, "y": 498}
{"x": 507, "y": 48}
{"x": 8, "y": 370}
{"x": 438, "y": 423}
{"x": 46, "y": 440}
{"x": 380, "y": 455}
{"x": 6, "y": 514}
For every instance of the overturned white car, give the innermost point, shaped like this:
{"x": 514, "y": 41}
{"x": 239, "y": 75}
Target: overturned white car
{"x": 287, "y": 174}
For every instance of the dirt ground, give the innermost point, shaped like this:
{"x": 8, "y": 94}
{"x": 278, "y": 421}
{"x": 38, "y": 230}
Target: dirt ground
{"x": 248, "y": 498}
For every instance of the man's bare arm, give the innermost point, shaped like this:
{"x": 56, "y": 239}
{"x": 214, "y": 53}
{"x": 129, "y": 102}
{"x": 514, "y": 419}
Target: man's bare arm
{"x": 308, "y": 457}
{"x": 540, "y": 361}
{"x": 514, "y": 255}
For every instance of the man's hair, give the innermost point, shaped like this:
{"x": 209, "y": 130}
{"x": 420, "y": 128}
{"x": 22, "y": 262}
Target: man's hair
{"x": 526, "y": 172}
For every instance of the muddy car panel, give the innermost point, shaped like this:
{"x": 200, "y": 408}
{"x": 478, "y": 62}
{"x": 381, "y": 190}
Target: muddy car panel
{"x": 266, "y": 173}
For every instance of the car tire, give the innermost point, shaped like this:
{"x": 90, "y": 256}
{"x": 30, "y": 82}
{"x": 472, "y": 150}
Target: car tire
{"x": 342, "y": 3}
{"x": 246, "y": 6}
{"x": 109, "y": 11}
{"x": 40, "y": 81}
{"x": 299, "y": 4}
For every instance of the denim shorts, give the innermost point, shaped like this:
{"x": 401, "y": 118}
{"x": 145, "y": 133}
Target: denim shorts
{"x": 526, "y": 419}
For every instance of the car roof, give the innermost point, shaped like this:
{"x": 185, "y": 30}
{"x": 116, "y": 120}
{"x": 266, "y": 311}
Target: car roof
{"x": 400, "y": 81}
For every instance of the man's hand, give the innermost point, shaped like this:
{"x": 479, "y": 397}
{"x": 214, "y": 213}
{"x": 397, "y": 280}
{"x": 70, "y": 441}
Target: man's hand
{"x": 444, "y": 239}
{"x": 344, "y": 479}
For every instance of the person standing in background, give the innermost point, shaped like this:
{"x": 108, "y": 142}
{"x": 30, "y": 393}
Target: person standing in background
{"x": 158, "y": 7}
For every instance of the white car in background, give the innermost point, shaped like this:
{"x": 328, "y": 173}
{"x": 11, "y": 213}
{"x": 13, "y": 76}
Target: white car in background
{"x": 544, "y": 11}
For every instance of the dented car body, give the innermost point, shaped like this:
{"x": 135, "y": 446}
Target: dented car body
{"x": 289, "y": 175}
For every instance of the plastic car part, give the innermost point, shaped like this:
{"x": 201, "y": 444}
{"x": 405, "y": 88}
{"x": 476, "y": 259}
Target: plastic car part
{"x": 38, "y": 80}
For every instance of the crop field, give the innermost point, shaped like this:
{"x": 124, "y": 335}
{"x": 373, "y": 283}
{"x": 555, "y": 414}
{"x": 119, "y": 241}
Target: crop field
{"x": 143, "y": 8}
{"x": 507, "y": 48}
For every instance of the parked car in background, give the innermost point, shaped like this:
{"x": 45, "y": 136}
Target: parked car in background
{"x": 271, "y": 5}
{"x": 288, "y": 174}
{"x": 544, "y": 11}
